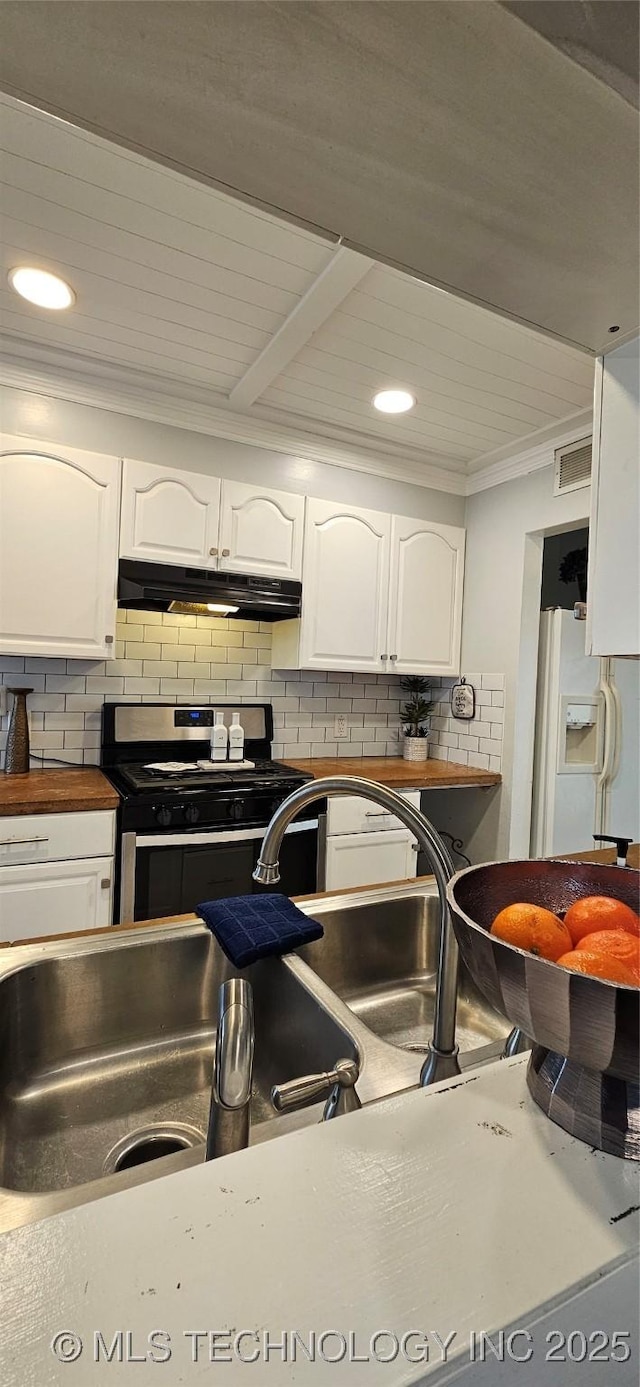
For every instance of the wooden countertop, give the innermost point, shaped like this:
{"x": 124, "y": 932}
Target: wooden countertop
{"x": 397, "y": 773}
{"x": 56, "y": 792}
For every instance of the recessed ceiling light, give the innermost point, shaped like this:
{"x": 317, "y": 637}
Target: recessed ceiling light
{"x": 41, "y": 287}
{"x": 394, "y": 401}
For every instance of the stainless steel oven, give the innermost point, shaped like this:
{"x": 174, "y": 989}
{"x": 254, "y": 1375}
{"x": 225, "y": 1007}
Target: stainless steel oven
{"x": 169, "y": 873}
{"x": 190, "y": 830}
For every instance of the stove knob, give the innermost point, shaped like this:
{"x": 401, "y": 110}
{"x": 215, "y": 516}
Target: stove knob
{"x": 192, "y": 813}
{"x": 236, "y": 809}
{"x": 163, "y": 816}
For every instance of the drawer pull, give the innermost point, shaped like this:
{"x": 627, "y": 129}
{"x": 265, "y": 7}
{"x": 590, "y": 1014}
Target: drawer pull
{"x": 14, "y": 842}
{"x": 377, "y": 814}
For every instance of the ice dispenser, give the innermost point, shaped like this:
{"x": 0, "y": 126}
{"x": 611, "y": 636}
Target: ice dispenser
{"x": 581, "y": 734}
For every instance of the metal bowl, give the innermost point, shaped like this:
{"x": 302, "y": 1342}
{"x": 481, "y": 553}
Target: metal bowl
{"x": 583, "y": 1070}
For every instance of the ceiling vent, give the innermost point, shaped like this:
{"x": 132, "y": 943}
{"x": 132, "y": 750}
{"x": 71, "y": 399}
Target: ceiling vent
{"x": 572, "y": 466}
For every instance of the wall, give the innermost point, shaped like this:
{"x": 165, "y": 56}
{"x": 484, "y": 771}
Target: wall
{"x": 162, "y": 657}
{"x": 505, "y": 529}
{"x": 170, "y": 657}
{"x": 83, "y": 426}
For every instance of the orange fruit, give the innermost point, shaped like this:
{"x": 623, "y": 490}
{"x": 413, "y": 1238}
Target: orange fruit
{"x": 597, "y": 966}
{"x": 533, "y": 928}
{"x": 614, "y": 943}
{"x": 597, "y": 913}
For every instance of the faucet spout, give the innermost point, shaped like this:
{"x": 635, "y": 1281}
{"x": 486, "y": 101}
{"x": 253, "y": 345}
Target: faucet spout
{"x": 442, "y": 1057}
{"x": 228, "y": 1128}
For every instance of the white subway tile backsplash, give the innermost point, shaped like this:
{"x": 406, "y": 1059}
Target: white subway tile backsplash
{"x": 478, "y": 741}
{"x": 169, "y": 657}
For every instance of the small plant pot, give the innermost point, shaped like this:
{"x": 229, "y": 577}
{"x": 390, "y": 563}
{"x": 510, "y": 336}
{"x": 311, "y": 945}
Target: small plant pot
{"x": 415, "y": 748}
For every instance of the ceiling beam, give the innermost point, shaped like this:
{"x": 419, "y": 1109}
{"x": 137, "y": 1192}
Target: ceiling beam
{"x": 344, "y": 271}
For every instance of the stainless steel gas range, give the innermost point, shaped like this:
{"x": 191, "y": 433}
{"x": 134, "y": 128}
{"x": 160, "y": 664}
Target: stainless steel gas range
{"x": 190, "y": 830}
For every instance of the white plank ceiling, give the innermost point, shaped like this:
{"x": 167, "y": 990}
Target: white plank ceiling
{"x": 183, "y": 283}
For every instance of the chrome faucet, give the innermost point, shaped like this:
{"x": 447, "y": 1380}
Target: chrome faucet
{"x": 442, "y": 1056}
{"x": 228, "y": 1128}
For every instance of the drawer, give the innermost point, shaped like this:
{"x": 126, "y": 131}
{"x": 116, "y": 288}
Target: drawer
{"x": 56, "y": 837}
{"x": 354, "y": 814}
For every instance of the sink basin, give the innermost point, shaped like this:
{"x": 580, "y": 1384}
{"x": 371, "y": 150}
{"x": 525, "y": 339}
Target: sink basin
{"x": 106, "y": 1055}
{"x": 379, "y": 954}
{"x": 106, "y": 1042}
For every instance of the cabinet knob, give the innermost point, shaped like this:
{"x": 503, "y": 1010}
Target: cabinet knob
{"x": 393, "y": 657}
{"x": 226, "y": 553}
{"x": 213, "y": 553}
{"x": 108, "y": 640}
{"x": 105, "y": 883}
{"x": 384, "y": 657}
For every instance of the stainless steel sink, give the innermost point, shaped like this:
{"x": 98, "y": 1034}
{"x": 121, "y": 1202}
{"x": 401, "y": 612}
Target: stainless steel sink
{"x": 106, "y": 1054}
{"x": 106, "y": 1043}
{"x": 379, "y": 954}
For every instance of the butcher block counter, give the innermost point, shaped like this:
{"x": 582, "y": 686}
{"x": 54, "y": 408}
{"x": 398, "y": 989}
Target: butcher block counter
{"x": 56, "y": 792}
{"x": 397, "y": 773}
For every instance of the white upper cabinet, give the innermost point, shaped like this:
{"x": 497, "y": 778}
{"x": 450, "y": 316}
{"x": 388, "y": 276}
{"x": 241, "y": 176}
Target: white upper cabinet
{"x": 261, "y": 531}
{"x": 425, "y": 597}
{"x": 613, "y": 607}
{"x": 380, "y": 593}
{"x": 345, "y": 588}
{"x": 169, "y": 516}
{"x": 58, "y": 550}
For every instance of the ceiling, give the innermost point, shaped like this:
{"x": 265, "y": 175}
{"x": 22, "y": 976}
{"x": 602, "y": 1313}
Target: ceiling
{"x": 181, "y": 285}
{"x": 487, "y": 148}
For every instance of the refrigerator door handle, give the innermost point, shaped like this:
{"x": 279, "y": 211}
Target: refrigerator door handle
{"x": 609, "y": 749}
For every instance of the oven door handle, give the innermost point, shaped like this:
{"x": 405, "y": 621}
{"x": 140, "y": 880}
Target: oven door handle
{"x": 214, "y": 836}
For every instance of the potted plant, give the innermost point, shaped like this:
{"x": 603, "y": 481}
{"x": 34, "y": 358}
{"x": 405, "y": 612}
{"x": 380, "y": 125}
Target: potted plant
{"x": 415, "y": 718}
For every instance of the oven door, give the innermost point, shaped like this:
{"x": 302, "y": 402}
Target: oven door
{"x": 169, "y": 873}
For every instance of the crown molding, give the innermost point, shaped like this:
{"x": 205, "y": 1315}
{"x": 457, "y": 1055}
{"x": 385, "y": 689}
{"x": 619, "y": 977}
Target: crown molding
{"x": 532, "y": 459}
{"x": 101, "y": 385}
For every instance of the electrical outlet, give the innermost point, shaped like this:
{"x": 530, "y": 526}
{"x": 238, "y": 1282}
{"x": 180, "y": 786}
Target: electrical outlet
{"x": 340, "y": 728}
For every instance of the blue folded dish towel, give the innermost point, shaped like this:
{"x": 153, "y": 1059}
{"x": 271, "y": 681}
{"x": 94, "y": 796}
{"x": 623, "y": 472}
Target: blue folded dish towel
{"x": 253, "y": 927}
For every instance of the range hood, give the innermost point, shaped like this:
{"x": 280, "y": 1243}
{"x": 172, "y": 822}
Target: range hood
{"x": 167, "y": 587}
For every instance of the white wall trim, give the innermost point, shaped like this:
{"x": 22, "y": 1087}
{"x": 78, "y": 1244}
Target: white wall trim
{"x": 100, "y": 385}
{"x": 533, "y": 458}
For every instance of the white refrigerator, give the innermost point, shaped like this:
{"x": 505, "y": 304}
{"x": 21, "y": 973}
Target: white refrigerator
{"x": 586, "y": 776}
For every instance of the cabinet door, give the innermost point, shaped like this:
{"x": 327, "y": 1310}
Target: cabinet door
{"x": 169, "y": 516}
{"x": 344, "y": 596}
{"x": 261, "y": 531}
{"x": 368, "y": 859}
{"x": 613, "y": 608}
{"x": 58, "y": 550}
{"x": 55, "y": 898}
{"x": 425, "y": 602}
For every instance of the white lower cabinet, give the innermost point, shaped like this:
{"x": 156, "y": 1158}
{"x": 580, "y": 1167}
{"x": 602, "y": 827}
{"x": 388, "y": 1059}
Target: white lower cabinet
{"x": 365, "y": 845}
{"x": 55, "y": 897}
{"x": 56, "y": 873}
{"x": 366, "y": 859}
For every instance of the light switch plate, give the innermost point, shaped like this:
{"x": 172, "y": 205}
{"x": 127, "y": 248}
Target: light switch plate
{"x": 340, "y": 727}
